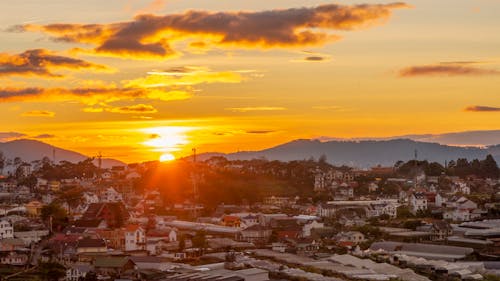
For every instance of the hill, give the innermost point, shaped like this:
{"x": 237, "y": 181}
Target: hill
{"x": 30, "y": 150}
{"x": 365, "y": 153}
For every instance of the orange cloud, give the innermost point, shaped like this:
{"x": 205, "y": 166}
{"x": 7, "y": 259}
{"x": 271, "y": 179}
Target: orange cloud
{"x": 134, "y": 109}
{"x": 256, "y": 108}
{"x": 481, "y": 108}
{"x": 40, "y": 62}
{"x": 90, "y": 96}
{"x": 150, "y": 36}
{"x": 39, "y": 113}
{"x": 447, "y": 69}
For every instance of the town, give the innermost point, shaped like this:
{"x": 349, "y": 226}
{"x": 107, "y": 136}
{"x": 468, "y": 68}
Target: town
{"x": 257, "y": 220}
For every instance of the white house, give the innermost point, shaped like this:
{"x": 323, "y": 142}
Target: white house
{"x": 418, "y": 202}
{"x": 111, "y": 195}
{"x": 6, "y": 230}
{"x": 306, "y": 229}
{"x": 135, "y": 238}
{"x": 77, "y": 272}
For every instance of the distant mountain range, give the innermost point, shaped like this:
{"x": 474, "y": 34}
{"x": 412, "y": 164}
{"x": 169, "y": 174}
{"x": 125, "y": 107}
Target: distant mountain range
{"x": 359, "y": 153}
{"x": 364, "y": 153}
{"x": 31, "y": 150}
{"x": 467, "y": 138}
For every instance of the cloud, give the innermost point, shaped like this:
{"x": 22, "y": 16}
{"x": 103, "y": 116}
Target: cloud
{"x": 38, "y": 113}
{"x": 7, "y": 136}
{"x": 153, "y": 7}
{"x": 263, "y": 132}
{"x": 131, "y": 109}
{"x": 151, "y": 36}
{"x": 173, "y": 84}
{"x": 464, "y": 68}
{"x": 90, "y": 96}
{"x": 40, "y": 62}
{"x": 480, "y": 108}
{"x": 44, "y": 136}
{"x": 256, "y": 108}
{"x": 184, "y": 76}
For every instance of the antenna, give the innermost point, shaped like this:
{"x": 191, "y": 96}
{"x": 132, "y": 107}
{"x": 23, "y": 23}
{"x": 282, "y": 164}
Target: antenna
{"x": 99, "y": 160}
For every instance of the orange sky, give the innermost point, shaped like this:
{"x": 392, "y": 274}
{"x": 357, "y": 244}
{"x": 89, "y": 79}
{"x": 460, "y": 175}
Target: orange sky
{"x": 140, "y": 79}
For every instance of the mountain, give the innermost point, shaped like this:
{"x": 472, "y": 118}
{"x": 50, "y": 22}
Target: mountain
{"x": 30, "y": 150}
{"x": 467, "y": 138}
{"x": 365, "y": 153}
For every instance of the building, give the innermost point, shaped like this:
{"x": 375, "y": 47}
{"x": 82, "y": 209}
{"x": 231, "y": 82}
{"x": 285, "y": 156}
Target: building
{"x": 255, "y": 234}
{"x": 135, "y": 238}
{"x": 34, "y": 208}
{"x": 77, "y": 272}
{"x": 350, "y": 238}
{"x": 417, "y": 202}
{"x": 6, "y": 229}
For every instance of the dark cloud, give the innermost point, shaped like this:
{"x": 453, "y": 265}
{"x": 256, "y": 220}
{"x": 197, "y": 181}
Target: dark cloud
{"x": 447, "y": 69}
{"x": 480, "y": 108}
{"x": 263, "y": 132}
{"x": 150, "y": 36}
{"x": 6, "y": 136}
{"x": 38, "y": 113}
{"x": 44, "y": 136}
{"x": 315, "y": 58}
{"x": 40, "y": 62}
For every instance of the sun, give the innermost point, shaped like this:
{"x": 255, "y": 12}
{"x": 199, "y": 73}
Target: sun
{"x": 167, "y": 157}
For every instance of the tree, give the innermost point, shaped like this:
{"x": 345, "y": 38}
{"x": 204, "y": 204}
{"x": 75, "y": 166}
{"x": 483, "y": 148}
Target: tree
{"x": 489, "y": 168}
{"x": 51, "y": 271}
{"x": 182, "y": 243}
{"x": 199, "y": 239}
{"x": 90, "y": 276}
{"x": 55, "y": 215}
{"x": 2, "y": 162}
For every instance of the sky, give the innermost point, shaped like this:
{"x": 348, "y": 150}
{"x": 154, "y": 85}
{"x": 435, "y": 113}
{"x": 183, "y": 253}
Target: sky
{"x": 142, "y": 80}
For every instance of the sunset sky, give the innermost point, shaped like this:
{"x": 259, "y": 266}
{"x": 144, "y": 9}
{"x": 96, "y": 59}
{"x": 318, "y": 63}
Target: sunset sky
{"x": 138, "y": 79}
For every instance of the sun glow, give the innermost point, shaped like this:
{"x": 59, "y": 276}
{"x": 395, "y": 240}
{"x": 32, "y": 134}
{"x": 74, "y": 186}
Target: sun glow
{"x": 167, "y": 139}
{"x": 167, "y": 157}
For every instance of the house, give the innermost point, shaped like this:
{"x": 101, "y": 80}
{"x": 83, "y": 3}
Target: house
{"x": 135, "y": 238}
{"x": 115, "y": 238}
{"x": 6, "y": 229}
{"x": 114, "y": 213}
{"x": 77, "y": 272}
{"x": 279, "y": 201}
{"x": 33, "y": 236}
{"x": 15, "y": 259}
{"x": 373, "y": 187}
{"x": 306, "y": 228}
{"x": 91, "y": 245}
{"x": 441, "y": 230}
{"x": 350, "y": 238}
{"x": 279, "y": 247}
{"x": 34, "y": 208}
{"x": 231, "y": 221}
{"x": 11, "y": 244}
{"x": 418, "y": 202}
{"x": 111, "y": 195}
{"x": 250, "y": 220}
{"x": 459, "y": 209}
{"x": 113, "y": 265}
{"x": 255, "y": 234}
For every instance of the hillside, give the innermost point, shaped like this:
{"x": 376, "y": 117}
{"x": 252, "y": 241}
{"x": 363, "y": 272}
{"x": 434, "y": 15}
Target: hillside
{"x": 30, "y": 150}
{"x": 365, "y": 153}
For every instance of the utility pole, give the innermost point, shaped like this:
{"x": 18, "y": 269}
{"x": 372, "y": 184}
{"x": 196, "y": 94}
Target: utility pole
{"x": 194, "y": 177}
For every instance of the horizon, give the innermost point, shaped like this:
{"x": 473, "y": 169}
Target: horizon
{"x": 337, "y": 140}
{"x": 143, "y": 79}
